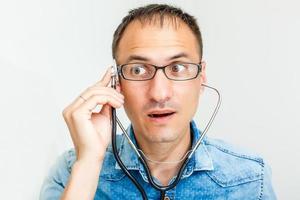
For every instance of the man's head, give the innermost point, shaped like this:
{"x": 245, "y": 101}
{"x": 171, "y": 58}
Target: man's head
{"x": 156, "y": 14}
{"x": 160, "y": 109}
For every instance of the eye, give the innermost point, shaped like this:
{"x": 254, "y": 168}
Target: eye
{"x": 178, "y": 68}
{"x": 138, "y": 70}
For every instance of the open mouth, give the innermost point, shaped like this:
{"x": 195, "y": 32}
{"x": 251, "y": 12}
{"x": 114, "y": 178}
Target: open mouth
{"x": 161, "y": 115}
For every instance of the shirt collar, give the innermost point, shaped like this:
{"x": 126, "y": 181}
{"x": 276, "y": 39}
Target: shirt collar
{"x": 127, "y": 154}
{"x": 201, "y": 160}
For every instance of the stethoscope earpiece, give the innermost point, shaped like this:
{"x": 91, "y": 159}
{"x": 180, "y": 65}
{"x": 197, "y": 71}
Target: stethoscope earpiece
{"x": 114, "y": 75}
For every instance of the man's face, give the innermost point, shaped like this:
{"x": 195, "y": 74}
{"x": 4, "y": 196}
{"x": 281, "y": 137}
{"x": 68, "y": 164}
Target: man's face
{"x": 160, "y": 109}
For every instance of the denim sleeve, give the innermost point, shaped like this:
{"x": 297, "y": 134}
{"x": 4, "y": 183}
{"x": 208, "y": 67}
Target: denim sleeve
{"x": 55, "y": 182}
{"x": 268, "y": 191}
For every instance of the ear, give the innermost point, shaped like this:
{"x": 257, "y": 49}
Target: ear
{"x": 203, "y": 72}
{"x": 118, "y": 85}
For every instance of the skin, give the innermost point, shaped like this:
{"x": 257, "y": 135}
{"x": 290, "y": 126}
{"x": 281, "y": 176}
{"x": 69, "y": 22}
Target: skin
{"x": 161, "y": 141}
{"x": 157, "y": 45}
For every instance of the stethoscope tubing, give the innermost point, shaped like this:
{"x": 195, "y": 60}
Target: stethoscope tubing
{"x": 141, "y": 157}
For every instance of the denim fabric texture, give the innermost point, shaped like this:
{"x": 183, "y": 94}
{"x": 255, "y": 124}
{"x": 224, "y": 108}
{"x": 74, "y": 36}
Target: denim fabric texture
{"x": 217, "y": 171}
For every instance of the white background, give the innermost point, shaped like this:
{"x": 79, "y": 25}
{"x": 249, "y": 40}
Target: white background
{"x": 52, "y": 50}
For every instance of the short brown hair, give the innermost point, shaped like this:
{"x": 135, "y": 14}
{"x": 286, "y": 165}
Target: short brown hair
{"x": 159, "y": 12}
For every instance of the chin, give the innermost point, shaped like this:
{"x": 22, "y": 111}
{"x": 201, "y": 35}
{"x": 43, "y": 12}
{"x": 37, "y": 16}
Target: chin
{"x": 161, "y": 135}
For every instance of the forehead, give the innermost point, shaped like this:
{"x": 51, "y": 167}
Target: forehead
{"x": 157, "y": 40}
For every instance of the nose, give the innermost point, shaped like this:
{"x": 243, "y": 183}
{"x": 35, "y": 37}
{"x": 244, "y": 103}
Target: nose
{"x": 160, "y": 87}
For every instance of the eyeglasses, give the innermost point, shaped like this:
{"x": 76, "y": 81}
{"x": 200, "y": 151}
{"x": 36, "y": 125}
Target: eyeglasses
{"x": 143, "y": 72}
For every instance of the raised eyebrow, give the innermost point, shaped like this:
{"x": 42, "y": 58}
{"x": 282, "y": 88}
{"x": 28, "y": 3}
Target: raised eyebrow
{"x": 145, "y": 59}
{"x": 136, "y": 57}
{"x": 180, "y": 55}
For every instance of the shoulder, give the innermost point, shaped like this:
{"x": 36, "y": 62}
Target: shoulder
{"x": 61, "y": 170}
{"x": 233, "y": 165}
{"x": 57, "y": 178}
{"x": 66, "y": 160}
{"x": 220, "y": 147}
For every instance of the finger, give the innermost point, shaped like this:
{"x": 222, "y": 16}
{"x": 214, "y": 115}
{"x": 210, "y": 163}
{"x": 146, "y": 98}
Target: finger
{"x": 101, "y": 90}
{"x": 88, "y": 106}
{"x": 105, "y": 79}
{"x": 106, "y": 110}
{"x": 95, "y": 90}
{"x": 83, "y": 97}
{"x": 71, "y": 128}
{"x": 118, "y": 88}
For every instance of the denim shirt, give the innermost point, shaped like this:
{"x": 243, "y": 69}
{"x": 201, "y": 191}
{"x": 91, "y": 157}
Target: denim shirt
{"x": 216, "y": 171}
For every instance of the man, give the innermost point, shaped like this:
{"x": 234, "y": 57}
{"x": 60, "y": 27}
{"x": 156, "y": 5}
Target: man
{"x": 160, "y": 103}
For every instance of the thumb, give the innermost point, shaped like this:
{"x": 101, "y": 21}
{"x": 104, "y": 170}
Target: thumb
{"x": 106, "y": 110}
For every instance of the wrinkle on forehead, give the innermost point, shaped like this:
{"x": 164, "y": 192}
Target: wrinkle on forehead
{"x": 160, "y": 35}
{"x": 154, "y": 45}
{"x": 150, "y": 37}
{"x": 155, "y": 40}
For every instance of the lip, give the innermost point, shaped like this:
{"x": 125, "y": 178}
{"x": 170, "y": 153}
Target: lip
{"x": 167, "y": 115}
{"x": 161, "y": 111}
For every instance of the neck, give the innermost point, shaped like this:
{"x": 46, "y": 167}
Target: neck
{"x": 167, "y": 155}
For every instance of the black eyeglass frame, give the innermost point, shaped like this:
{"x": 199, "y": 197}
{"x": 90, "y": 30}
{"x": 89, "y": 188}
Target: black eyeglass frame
{"x": 120, "y": 71}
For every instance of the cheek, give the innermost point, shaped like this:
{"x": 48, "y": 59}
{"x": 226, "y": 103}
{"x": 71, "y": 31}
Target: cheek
{"x": 188, "y": 98}
{"x": 133, "y": 98}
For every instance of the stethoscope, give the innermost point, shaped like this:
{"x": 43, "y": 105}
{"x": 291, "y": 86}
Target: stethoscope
{"x": 141, "y": 156}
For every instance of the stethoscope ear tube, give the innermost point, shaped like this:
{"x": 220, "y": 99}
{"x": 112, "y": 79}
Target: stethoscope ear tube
{"x": 117, "y": 157}
{"x": 189, "y": 155}
{"x": 114, "y": 139}
{"x": 141, "y": 157}
{"x": 209, "y": 122}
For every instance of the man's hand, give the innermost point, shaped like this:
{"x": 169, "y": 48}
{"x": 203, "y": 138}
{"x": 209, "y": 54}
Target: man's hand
{"x": 91, "y": 132}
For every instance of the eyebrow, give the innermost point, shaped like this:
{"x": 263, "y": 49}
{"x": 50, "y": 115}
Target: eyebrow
{"x": 144, "y": 58}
